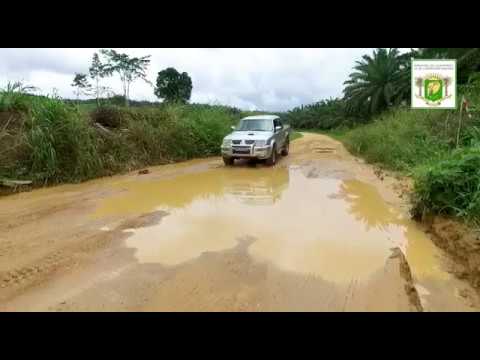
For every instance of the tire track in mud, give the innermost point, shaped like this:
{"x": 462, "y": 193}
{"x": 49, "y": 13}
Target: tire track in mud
{"x": 406, "y": 275}
{"x": 401, "y": 267}
{"x": 25, "y": 276}
{"x": 69, "y": 257}
{"x": 461, "y": 242}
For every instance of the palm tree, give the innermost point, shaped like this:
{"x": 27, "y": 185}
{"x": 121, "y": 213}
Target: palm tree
{"x": 379, "y": 81}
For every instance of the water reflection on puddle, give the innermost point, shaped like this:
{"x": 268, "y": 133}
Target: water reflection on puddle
{"x": 338, "y": 229}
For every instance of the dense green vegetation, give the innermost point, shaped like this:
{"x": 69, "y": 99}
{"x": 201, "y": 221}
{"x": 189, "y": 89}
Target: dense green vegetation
{"x": 47, "y": 140}
{"x": 439, "y": 149}
{"x": 423, "y": 144}
{"x": 450, "y": 185}
{"x": 402, "y": 138}
{"x": 323, "y": 115}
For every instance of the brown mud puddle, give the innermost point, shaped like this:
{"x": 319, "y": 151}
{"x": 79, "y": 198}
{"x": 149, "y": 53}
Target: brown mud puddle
{"x": 333, "y": 228}
{"x": 329, "y": 226}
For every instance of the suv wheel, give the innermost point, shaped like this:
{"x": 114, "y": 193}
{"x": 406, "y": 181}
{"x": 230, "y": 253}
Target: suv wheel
{"x": 228, "y": 161}
{"x": 286, "y": 148}
{"x": 273, "y": 157}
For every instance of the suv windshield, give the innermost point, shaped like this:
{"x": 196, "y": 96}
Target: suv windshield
{"x": 255, "y": 125}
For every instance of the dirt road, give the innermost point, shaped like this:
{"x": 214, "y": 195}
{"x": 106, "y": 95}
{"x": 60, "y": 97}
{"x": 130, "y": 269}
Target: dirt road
{"x": 320, "y": 231}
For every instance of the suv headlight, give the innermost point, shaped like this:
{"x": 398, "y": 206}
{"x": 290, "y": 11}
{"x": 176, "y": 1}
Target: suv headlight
{"x": 260, "y": 142}
{"x": 227, "y": 142}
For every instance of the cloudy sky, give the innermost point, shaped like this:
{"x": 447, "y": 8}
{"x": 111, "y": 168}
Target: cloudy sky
{"x": 263, "y": 79}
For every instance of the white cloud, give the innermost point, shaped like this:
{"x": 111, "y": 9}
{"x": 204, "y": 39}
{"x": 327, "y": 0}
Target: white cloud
{"x": 267, "y": 79}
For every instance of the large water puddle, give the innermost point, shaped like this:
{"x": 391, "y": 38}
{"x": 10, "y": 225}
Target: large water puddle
{"x": 336, "y": 228}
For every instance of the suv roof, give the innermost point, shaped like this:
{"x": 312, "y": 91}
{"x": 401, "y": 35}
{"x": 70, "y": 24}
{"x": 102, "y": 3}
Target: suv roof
{"x": 261, "y": 117}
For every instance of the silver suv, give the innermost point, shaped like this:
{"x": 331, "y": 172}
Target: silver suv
{"x": 257, "y": 137}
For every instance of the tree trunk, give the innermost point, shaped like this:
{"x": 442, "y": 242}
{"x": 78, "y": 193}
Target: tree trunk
{"x": 98, "y": 94}
{"x": 125, "y": 91}
{"x": 128, "y": 93}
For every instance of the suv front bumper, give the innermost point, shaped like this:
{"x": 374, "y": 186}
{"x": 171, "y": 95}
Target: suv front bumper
{"x": 247, "y": 151}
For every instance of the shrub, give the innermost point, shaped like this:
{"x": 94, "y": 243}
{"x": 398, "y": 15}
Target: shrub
{"x": 402, "y": 138}
{"x": 109, "y": 116}
{"x": 424, "y": 143}
{"x": 450, "y": 185}
{"x": 62, "y": 143}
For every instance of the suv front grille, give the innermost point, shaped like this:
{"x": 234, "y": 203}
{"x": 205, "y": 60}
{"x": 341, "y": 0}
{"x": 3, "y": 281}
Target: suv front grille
{"x": 249, "y": 142}
{"x": 241, "y": 150}
{"x": 236, "y": 142}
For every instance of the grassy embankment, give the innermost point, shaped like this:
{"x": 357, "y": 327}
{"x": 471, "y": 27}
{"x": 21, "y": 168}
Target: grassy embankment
{"x": 423, "y": 144}
{"x": 442, "y": 157}
{"x": 48, "y": 141}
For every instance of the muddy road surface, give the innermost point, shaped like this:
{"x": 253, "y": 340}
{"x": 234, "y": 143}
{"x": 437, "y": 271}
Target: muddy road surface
{"x": 320, "y": 231}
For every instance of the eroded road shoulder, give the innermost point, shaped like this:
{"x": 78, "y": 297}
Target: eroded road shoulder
{"x": 320, "y": 231}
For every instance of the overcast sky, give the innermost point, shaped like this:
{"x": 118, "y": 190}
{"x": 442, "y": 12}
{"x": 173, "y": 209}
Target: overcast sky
{"x": 262, "y": 79}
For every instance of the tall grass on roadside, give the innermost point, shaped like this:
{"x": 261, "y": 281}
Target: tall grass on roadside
{"x": 56, "y": 142}
{"x": 63, "y": 146}
{"x": 450, "y": 186}
{"x": 423, "y": 143}
{"x": 404, "y": 138}
{"x": 15, "y": 97}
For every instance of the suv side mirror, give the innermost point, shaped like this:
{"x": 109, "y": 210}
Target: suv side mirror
{"x": 278, "y": 128}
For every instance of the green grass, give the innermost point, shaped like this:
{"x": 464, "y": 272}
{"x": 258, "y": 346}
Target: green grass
{"x": 295, "y": 135}
{"x": 450, "y": 185}
{"x": 423, "y": 144}
{"x": 402, "y": 139}
{"x": 50, "y": 141}
{"x": 337, "y": 133}
{"x": 15, "y": 97}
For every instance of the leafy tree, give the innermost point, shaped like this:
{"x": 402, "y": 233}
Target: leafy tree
{"x": 128, "y": 68}
{"x": 378, "y": 82}
{"x": 173, "y": 86}
{"x": 80, "y": 82}
{"x": 97, "y": 71}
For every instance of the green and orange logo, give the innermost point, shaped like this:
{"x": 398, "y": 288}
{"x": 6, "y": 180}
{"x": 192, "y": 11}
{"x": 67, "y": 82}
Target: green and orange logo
{"x": 433, "y": 89}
